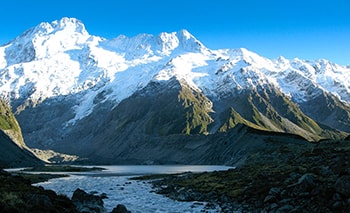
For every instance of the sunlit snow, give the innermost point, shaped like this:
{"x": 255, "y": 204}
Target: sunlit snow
{"x": 62, "y": 58}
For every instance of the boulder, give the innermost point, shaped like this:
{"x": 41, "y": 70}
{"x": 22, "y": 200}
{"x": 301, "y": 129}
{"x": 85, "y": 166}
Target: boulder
{"x": 305, "y": 183}
{"x": 88, "y": 203}
{"x": 342, "y": 185}
{"x": 120, "y": 209}
{"x": 273, "y": 196}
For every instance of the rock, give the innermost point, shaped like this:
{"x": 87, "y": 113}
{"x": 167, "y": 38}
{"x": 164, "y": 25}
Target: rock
{"x": 185, "y": 195}
{"x": 120, "y": 209}
{"x": 304, "y": 194}
{"x": 326, "y": 171}
{"x": 342, "y": 185}
{"x": 224, "y": 199}
{"x": 337, "y": 197}
{"x": 286, "y": 208}
{"x": 103, "y": 196}
{"x": 273, "y": 206}
{"x": 284, "y": 193}
{"x": 315, "y": 192}
{"x": 337, "y": 205}
{"x": 275, "y": 191}
{"x": 285, "y": 201}
{"x": 306, "y": 180}
{"x": 269, "y": 199}
{"x": 87, "y": 202}
{"x": 292, "y": 177}
{"x": 305, "y": 183}
{"x": 347, "y": 171}
{"x": 273, "y": 195}
{"x": 39, "y": 200}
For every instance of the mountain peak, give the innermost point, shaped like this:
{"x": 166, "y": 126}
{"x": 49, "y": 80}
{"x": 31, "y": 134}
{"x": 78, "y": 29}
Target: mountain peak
{"x": 182, "y": 39}
{"x": 48, "y": 39}
{"x": 252, "y": 58}
{"x": 184, "y": 34}
{"x": 69, "y": 24}
{"x": 189, "y": 42}
{"x": 163, "y": 44}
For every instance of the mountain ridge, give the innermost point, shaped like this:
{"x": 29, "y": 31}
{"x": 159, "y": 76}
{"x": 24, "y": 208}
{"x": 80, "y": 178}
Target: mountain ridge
{"x": 70, "y": 84}
{"x": 237, "y": 59}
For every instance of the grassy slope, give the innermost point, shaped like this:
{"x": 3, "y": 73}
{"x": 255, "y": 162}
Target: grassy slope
{"x": 268, "y": 109}
{"x": 9, "y": 124}
{"x": 197, "y": 107}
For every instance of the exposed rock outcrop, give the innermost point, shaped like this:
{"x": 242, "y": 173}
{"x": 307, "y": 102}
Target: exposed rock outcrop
{"x": 120, "y": 209}
{"x": 88, "y": 203}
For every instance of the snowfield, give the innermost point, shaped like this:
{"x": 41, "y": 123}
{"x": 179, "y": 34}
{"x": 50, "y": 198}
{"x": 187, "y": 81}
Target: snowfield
{"x": 62, "y": 58}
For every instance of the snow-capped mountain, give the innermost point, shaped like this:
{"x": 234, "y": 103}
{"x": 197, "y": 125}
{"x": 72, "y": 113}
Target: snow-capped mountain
{"x": 61, "y": 58}
{"x": 60, "y": 67}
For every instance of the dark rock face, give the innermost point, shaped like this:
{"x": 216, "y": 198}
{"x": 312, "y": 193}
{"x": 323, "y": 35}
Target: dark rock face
{"x": 11, "y": 155}
{"x": 165, "y": 123}
{"x": 13, "y": 152}
{"x": 87, "y": 202}
{"x": 328, "y": 110}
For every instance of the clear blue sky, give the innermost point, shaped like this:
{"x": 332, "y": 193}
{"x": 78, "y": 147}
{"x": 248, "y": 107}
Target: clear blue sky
{"x": 298, "y": 28}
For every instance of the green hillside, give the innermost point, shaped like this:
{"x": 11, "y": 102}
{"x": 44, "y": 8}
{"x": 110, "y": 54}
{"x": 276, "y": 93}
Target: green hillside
{"x": 9, "y": 124}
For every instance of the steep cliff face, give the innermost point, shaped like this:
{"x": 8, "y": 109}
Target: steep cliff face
{"x": 14, "y": 152}
{"x": 9, "y": 124}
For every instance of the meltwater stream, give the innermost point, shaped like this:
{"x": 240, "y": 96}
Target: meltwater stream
{"x": 137, "y": 196}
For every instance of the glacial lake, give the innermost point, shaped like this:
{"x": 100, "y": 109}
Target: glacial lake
{"x": 137, "y": 196}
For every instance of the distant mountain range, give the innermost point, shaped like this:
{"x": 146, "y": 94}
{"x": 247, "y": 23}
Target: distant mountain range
{"x": 164, "y": 98}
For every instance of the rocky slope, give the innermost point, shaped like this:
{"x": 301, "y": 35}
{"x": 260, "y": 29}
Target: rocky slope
{"x": 281, "y": 178}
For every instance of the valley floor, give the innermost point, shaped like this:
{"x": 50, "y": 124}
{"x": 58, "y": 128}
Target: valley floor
{"x": 288, "y": 179}
{"x": 285, "y": 178}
